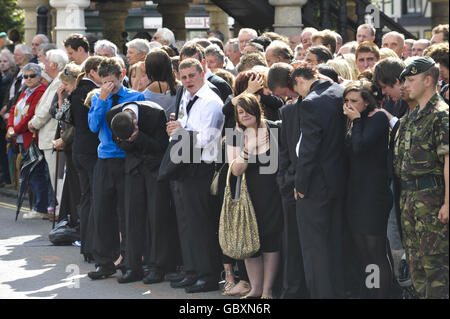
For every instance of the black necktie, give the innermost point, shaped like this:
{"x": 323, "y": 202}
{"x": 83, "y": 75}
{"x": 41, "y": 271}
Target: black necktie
{"x": 191, "y": 102}
{"x": 115, "y": 99}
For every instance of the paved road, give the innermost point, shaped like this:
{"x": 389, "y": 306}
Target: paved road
{"x": 30, "y": 267}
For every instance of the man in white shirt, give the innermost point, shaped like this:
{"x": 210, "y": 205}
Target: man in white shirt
{"x": 200, "y": 113}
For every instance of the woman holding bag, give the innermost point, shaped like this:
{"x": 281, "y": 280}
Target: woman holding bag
{"x": 251, "y": 151}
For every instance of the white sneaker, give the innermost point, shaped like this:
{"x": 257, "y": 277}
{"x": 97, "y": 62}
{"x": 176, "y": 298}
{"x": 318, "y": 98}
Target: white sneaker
{"x": 33, "y": 214}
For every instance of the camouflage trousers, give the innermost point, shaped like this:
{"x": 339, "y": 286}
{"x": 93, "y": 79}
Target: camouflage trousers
{"x": 426, "y": 241}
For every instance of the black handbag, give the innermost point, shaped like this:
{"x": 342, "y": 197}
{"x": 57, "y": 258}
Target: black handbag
{"x": 170, "y": 169}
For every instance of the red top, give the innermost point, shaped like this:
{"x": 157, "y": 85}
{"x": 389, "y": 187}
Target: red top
{"x": 22, "y": 126}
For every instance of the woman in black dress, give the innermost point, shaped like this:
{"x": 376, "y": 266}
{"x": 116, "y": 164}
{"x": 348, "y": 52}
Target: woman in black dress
{"x": 369, "y": 198}
{"x": 255, "y": 152}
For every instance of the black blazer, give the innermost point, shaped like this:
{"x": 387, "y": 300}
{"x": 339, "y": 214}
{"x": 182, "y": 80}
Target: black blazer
{"x": 289, "y": 136}
{"x": 222, "y": 85}
{"x": 321, "y": 166}
{"x": 85, "y": 141}
{"x": 152, "y": 139}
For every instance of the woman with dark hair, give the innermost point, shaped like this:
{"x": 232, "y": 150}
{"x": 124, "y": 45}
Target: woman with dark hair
{"x": 369, "y": 198}
{"x": 163, "y": 85}
{"x": 250, "y": 152}
{"x": 253, "y": 82}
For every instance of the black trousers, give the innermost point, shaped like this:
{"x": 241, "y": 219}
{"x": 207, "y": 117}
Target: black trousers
{"x": 150, "y": 222}
{"x": 320, "y": 222}
{"x": 84, "y": 164}
{"x": 197, "y": 222}
{"x": 71, "y": 194}
{"x": 108, "y": 210}
{"x": 294, "y": 284}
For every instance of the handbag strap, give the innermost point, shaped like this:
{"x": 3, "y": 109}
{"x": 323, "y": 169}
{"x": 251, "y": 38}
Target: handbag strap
{"x": 229, "y": 174}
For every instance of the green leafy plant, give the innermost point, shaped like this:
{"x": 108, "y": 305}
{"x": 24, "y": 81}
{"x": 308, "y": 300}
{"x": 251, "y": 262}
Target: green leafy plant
{"x": 11, "y": 16}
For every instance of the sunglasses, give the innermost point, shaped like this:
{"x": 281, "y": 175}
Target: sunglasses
{"x": 31, "y": 76}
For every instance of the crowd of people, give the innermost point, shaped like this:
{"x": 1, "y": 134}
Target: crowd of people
{"x": 333, "y": 138}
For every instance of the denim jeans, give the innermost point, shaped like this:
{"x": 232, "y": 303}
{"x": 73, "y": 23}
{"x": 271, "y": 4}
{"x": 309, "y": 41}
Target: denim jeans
{"x": 38, "y": 184}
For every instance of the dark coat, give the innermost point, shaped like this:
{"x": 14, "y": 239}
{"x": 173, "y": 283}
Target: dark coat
{"x": 85, "y": 141}
{"x": 289, "y": 136}
{"x": 321, "y": 166}
{"x": 152, "y": 139}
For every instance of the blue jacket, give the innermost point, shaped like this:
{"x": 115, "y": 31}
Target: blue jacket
{"x": 97, "y": 121}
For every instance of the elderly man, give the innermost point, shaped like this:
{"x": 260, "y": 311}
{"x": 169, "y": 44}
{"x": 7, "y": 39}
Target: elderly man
{"x": 22, "y": 54}
{"x": 419, "y": 46}
{"x": 306, "y": 37}
{"x": 42, "y": 122}
{"x": 365, "y": 32}
{"x": 164, "y": 36}
{"x": 215, "y": 58}
{"x": 278, "y": 51}
{"x": 35, "y": 43}
{"x": 394, "y": 41}
{"x": 231, "y": 50}
{"x": 137, "y": 50}
{"x": 105, "y": 48}
{"x": 244, "y": 37}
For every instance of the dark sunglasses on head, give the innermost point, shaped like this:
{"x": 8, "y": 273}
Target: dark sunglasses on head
{"x": 31, "y": 76}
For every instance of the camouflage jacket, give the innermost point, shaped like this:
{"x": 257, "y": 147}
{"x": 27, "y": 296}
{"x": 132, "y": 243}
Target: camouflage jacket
{"x": 422, "y": 141}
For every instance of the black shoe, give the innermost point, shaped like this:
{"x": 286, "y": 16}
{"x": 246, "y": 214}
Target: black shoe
{"x": 122, "y": 267}
{"x": 175, "y": 276}
{"x": 146, "y": 270}
{"x": 130, "y": 276}
{"x": 153, "y": 277}
{"x": 186, "y": 281}
{"x": 102, "y": 271}
{"x": 202, "y": 286}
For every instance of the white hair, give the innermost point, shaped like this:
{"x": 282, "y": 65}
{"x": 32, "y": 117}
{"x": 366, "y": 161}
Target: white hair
{"x": 59, "y": 57}
{"x": 25, "y": 49}
{"x": 33, "y": 67}
{"x": 43, "y": 38}
{"x": 215, "y": 50}
{"x": 253, "y": 32}
{"x": 166, "y": 35}
{"x": 105, "y": 44}
{"x": 141, "y": 45}
{"x": 155, "y": 44}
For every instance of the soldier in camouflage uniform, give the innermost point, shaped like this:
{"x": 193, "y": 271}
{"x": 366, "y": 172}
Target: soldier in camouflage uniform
{"x": 421, "y": 162}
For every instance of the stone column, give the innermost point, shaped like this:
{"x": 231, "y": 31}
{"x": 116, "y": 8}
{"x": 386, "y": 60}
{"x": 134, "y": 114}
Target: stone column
{"x": 114, "y": 15}
{"x": 218, "y": 20}
{"x": 29, "y": 6}
{"x": 439, "y": 12}
{"x": 288, "y": 16}
{"x": 69, "y": 18}
{"x": 173, "y": 13}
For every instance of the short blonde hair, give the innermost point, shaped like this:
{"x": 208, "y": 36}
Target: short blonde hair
{"x": 342, "y": 68}
{"x": 351, "y": 61}
{"x": 70, "y": 73}
{"x": 387, "y": 53}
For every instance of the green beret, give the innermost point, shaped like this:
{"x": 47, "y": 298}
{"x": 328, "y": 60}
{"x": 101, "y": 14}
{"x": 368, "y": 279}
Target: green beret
{"x": 417, "y": 66}
{"x": 3, "y": 35}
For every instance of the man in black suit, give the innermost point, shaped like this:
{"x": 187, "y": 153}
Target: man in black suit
{"x": 139, "y": 128}
{"x": 320, "y": 181}
{"x": 294, "y": 285}
{"x": 219, "y": 85}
